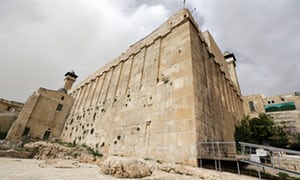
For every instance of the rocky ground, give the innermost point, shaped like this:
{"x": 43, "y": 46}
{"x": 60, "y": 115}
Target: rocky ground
{"x": 53, "y": 161}
{"x": 32, "y": 169}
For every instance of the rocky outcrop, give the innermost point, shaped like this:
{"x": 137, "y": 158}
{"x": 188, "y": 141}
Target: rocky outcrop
{"x": 125, "y": 167}
{"x": 133, "y": 167}
{"x": 15, "y": 153}
{"x": 58, "y": 156}
{"x": 46, "y": 150}
{"x": 11, "y": 168}
{"x": 14, "y": 150}
{"x": 6, "y": 145}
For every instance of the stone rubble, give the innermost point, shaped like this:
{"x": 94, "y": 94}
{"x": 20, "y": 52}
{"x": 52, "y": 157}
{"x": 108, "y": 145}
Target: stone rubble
{"x": 52, "y": 156}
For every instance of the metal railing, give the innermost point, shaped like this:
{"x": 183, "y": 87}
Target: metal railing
{"x": 217, "y": 150}
{"x": 279, "y": 159}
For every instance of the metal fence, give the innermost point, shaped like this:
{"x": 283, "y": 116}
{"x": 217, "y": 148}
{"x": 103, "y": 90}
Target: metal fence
{"x": 280, "y": 160}
{"x": 217, "y": 150}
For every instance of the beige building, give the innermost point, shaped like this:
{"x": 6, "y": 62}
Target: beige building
{"x": 159, "y": 99}
{"x": 10, "y": 106}
{"x": 9, "y": 111}
{"x": 43, "y": 115}
{"x": 284, "y": 109}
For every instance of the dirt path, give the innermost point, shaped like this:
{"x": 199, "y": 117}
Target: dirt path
{"x": 29, "y": 169}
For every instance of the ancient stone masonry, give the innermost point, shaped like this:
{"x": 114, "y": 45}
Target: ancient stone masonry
{"x": 161, "y": 97}
{"x": 10, "y": 106}
{"x": 44, "y": 114}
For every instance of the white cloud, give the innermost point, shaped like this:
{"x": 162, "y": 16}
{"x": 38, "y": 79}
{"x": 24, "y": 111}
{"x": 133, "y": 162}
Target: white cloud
{"x": 40, "y": 40}
{"x": 265, "y": 34}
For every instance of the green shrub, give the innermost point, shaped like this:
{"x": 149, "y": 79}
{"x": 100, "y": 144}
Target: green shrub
{"x": 67, "y": 144}
{"x": 285, "y": 176}
{"x": 93, "y": 152}
{"x": 3, "y": 135}
{"x": 260, "y": 130}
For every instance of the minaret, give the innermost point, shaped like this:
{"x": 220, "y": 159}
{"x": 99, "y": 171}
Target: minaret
{"x": 230, "y": 60}
{"x": 70, "y": 78}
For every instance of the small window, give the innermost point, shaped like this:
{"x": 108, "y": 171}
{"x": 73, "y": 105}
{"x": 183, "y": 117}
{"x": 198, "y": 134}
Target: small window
{"x": 26, "y": 131}
{"x": 62, "y": 98}
{"x": 273, "y": 101}
{"x": 251, "y": 106}
{"x": 46, "y": 135}
{"x": 59, "y": 107}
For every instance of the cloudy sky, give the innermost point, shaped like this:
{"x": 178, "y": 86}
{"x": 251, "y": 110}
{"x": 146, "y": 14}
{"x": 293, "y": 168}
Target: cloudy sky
{"x": 40, "y": 40}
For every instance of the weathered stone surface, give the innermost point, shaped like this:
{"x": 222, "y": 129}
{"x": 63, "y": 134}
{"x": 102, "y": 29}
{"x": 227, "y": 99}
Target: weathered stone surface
{"x": 42, "y": 117}
{"x": 16, "y": 154}
{"x": 160, "y": 98}
{"x": 31, "y": 169}
{"x": 132, "y": 167}
{"x": 45, "y": 150}
{"x": 126, "y": 167}
{"x": 189, "y": 171}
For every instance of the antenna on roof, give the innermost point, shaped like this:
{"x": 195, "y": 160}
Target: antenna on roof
{"x": 183, "y": 3}
{"x": 193, "y": 10}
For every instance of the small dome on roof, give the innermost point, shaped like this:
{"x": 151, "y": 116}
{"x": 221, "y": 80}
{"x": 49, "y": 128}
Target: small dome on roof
{"x": 62, "y": 90}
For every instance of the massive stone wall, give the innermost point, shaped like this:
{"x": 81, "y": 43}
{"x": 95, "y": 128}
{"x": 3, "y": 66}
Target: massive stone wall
{"x": 218, "y": 103}
{"x": 158, "y": 99}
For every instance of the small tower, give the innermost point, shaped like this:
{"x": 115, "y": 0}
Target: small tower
{"x": 230, "y": 60}
{"x": 70, "y": 78}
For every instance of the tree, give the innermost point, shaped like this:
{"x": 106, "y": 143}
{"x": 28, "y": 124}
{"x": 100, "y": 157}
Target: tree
{"x": 260, "y": 130}
{"x": 242, "y": 131}
{"x": 296, "y": 144}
